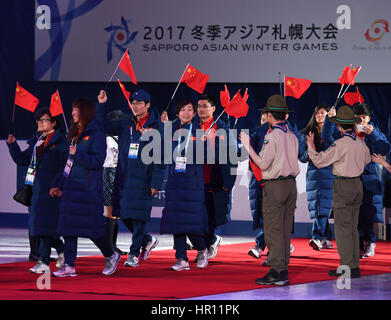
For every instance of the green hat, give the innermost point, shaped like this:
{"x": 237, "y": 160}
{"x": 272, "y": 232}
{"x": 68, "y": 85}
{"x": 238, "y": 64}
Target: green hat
{"x": 276, "y": 103}
{"x": 345, "y": 115}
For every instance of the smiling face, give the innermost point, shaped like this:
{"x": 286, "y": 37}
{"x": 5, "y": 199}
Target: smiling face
{"x": 186, "y": 114}
{"x": 320, "y": 116}
{"x": 75, "y": 114}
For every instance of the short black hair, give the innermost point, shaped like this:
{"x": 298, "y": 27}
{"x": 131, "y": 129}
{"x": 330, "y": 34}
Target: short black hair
{"x": 183, "y": 103}
{"x": 210, "y": 99}
{"x": 278, "y": 115}
{"x": 362, "y": 108}
{"x": 40, "y": 112}
{"x": 346, "y": 126}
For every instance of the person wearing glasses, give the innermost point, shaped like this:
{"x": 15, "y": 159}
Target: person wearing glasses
{"x": 45, "y": 157}
{"x": 218, "y": 178}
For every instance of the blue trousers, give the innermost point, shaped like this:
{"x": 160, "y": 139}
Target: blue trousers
{"x": 321, "y": 228}
{"x": 45, "y": 248}
{"x": 70, "y": 249}
{"x": 140, "y": 237}
{"x": 180, "y": 244}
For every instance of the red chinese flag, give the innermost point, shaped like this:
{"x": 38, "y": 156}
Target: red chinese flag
{"x": 237, "y": 107}
{"x": 256, "y": 171}
{"x": 126, "y": 66}
{"x": 353, "y": 97}
{"x": 344, "y": 76}
{"x": 25, "y": 99}
{"x": 295, "y": 87}
{"x": 124, "y": 91}
{"x": 352, "y": 75}
{"x": 224, "y": 97}
{"x": 195, "y": 79}
{"x": 245, "y": 96}
{"x": 56, "y": 105}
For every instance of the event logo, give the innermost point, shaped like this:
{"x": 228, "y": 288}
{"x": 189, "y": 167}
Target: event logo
{"x": 377, "y": 30}
{"x": 120, "y": 37}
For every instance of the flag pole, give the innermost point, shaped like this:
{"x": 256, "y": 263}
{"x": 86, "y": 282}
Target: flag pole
{"x": 107, "y": 83}
{"x": 284, "y": 88}
{"x": 13, "y": 112}
{"x": 349, "y": 84}
{"x": 63, "y": 114}
{"x": 172, "y": 97}
{"x": 213, "y": 123}
{"x": 279, "y": 80}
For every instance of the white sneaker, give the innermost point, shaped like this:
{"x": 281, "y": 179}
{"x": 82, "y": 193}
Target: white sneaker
{"x": 111, "y": 264}
{"x": 255, "y": 252}
{"x": 65, "y": 271}
{"x": 40, "y": 267}
{"x": 370, "y": 250}
{"x": 315, "y": 244}
{"x": 327, "y": 244}
{"x": 181, "y": 265}
{"x": 60, "y": 260}
{"x": 291, "y": 249}
{"x": 146, "y": 251}
{"x": 132, "y": 261}
{"x": 213, "y": 248}
{"x": 202, "y": 259}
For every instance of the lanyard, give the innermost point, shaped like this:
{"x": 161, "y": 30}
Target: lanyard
{"x": 187, "y": 140}
{"x": 33, "y": 161}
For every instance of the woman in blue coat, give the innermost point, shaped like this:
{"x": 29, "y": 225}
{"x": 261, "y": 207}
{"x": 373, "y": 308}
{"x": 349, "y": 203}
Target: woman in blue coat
{"x": 184, "y": 213}
{"x": 81, "y": 190}
{"x": 138, "y": 176}
{"x": 319, "y": 184}
{"x": 371, "y": 210}
{"x": 46, "y": 157}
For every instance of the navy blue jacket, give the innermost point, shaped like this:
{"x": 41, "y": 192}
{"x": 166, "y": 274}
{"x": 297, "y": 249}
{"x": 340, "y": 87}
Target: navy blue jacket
{"x": 257, "y": 136}
{"x": 221, "y": 177}
{"x": 319, "y": 182}
{"x": 132, "y": 198}
{"x": 43, "y": 211}
{"x": 81, "y": 208}
{"x": 185, "y": 211}
{"x": 372, "y": 204}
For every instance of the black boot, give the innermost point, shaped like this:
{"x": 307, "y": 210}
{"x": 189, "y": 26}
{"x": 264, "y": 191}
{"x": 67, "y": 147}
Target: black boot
{"x": 112, "y": 231}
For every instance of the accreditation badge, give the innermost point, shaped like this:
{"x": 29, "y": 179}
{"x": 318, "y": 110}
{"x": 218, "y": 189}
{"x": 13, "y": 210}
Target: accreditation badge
{"x": 133, "y": 150}
{"x": 68, "y": 167}
{"x": 180, "y": 164}
{"x": 30, "y": 176}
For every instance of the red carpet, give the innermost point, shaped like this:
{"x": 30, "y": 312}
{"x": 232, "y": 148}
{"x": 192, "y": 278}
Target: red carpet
{"x": 231, "y": 270}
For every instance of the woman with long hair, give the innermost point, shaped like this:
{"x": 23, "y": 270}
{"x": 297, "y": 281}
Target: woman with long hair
{"x": 319, "y": 185}
{"x": 45, "y": 156}
{"x": 81, "y": 190}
